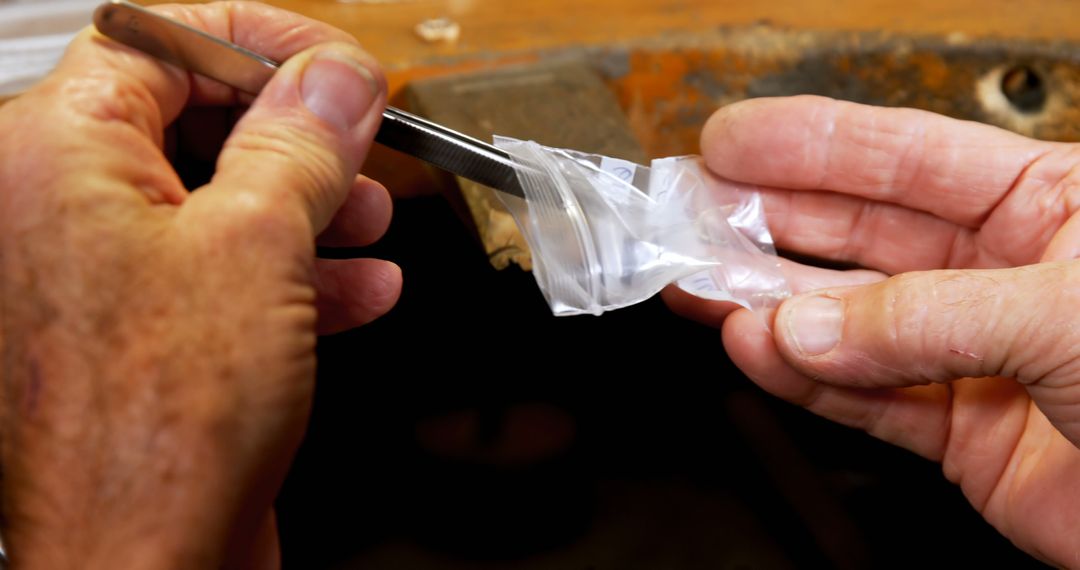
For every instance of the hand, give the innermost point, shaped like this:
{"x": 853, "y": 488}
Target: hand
{"x": 158, "y": 345}
{"x": 969, "y": 354}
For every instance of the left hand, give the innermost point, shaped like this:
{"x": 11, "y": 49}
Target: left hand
{"x": 972, "y": 359}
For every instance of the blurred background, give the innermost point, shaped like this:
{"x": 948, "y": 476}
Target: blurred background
{"x": 471, "y": 429}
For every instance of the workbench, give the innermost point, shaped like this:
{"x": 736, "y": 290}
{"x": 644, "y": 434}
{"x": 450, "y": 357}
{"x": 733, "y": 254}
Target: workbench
{"x": 656, "y": 453}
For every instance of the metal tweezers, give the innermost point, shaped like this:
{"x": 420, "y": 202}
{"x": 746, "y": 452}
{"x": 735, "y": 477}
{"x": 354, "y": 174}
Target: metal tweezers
{"x": 247, "y": 71}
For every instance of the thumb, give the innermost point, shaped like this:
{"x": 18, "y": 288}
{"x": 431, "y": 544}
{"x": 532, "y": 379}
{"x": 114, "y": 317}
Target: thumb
{"x": 306, "y": 135}
{"x": 937, "y": 326}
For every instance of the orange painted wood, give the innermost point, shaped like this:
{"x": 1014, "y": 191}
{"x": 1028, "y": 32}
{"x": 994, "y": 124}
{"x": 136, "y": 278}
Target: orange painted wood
{"x": 498, "y": 30}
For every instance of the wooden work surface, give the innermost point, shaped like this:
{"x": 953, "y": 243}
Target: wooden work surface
{"x": 666, "y": 472}
{"x": 497, "y": 29}
{"x": 671, "y": 63}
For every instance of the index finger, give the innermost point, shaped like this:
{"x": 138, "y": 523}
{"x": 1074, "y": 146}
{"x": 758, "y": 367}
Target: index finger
{"x": 106, "y": 105}
{"x": 265, "y": 30}
{"x": 139, "y": 90}
{"x": 957, "y": 170}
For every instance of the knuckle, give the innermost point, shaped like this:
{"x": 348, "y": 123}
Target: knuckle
{"x": 905, "y": 304}
{"x": 308, "y": 161}
{"x": 108, "y": 96}
{"x": 305, "y": 165}
{"x": 259, "y": 216}
{"x": 1053, "y": 321}
{"x": 930, "y": 314}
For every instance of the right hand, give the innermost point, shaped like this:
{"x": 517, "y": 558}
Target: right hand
{"x": 157, "y": 347}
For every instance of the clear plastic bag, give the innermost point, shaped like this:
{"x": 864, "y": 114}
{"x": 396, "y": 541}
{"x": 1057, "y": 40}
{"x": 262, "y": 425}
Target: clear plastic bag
{"x": 607, "y": 233}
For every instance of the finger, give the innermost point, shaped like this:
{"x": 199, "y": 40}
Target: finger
{"x": 896, "y": 239}
{"x": 149, "y": 92}
{"x": 973, "y": 426}
{"x": 953, "y": 169}
{"x": 1007, "y": 458}
{"x": 1065, "y": 243}
{"x": 299, "y": 148}
{"x": 800, "y": 278}
{"x": 105, "y": 106}
{"x": 886, "y": 237}
{"x": 271, "y": 32}
{"x": 354, "y": 292}
{"x": 104, "y": 119}
{"x": 705, "y": 311}
{"x": 362, "y": 219}
{"x": 938, "y": 326}
{"x": 885, "y": 413}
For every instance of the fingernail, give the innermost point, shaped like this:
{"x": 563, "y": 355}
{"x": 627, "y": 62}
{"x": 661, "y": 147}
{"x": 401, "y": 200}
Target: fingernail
{"x": 338, "y": 89}
{"x": 814, "y": 323}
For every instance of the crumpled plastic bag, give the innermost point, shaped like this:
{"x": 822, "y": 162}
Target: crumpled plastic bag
{"x": 606, "y": 233}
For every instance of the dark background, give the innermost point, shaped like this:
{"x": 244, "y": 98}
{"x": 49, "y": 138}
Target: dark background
{"x": 675, "y": 461}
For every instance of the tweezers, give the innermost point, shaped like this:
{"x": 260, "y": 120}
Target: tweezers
{"x": 196, "y": 51}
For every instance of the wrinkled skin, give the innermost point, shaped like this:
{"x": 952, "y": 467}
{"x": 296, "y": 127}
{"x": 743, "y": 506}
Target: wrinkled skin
{"x": 966, "y": 355}
{"x": 158, "y": 344}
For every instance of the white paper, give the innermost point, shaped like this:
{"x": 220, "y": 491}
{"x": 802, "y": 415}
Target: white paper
{"x": 33, "y": 36}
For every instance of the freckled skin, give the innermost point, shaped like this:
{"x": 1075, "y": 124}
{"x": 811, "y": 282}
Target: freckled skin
{"x": 157, "y": 346}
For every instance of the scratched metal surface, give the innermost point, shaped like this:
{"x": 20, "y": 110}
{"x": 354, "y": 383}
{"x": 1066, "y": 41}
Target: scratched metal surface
{"x": 668, "y": 85}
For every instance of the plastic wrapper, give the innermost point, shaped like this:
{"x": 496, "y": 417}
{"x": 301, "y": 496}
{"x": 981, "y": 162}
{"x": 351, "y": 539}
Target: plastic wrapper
{"x": 607, "y": 233}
